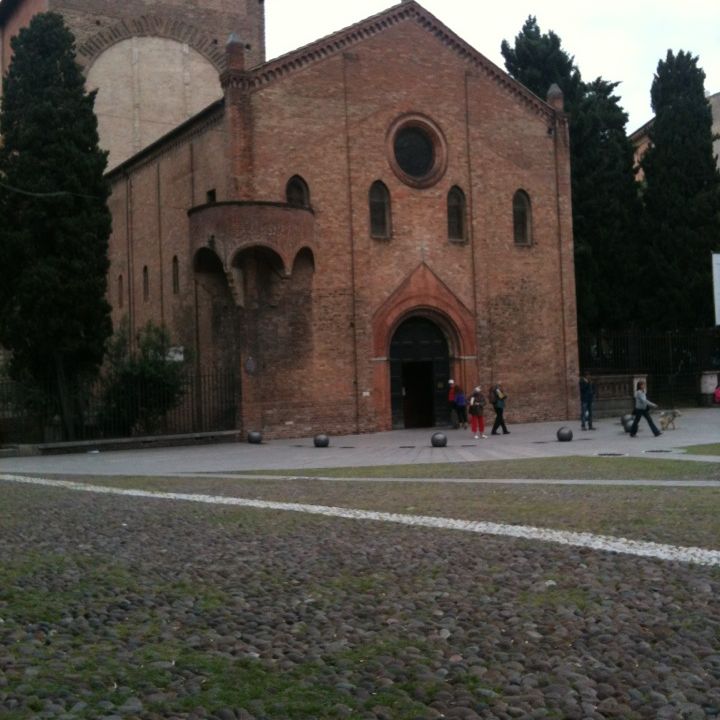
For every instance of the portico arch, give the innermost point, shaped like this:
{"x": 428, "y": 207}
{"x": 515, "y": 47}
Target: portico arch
{"x": 421, "y": 295}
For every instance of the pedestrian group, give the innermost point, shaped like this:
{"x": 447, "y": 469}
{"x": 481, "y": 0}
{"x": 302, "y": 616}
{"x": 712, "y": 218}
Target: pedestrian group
{"x": 461, "y": 406}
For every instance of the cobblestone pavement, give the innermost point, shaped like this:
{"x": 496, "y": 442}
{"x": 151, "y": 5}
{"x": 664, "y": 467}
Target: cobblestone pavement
{"x": 123, "y": 607}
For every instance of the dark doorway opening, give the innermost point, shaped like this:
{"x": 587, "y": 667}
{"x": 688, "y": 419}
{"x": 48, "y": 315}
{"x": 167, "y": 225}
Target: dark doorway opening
{"x": 418, "y": 405}
{"x": 419, "y": 369}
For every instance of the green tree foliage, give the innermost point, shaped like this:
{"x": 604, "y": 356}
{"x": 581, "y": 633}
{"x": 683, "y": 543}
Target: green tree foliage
{"x": 139, "y": 387}
{"x": 537, "y": 60}
{"x": 54, "y": 220}
{"x": 605, "y": 204}
{"x": 606, "y": 209}
{"x": 681, "y": 199}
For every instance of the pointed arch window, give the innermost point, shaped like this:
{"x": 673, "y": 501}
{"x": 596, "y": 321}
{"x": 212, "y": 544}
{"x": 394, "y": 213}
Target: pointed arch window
{"x": 379, "y": 201}
{"x": 522, "y": 218}
{"x": 175, "y": 275}
{"x": 456, "y": 210}
{"x": 297, "y": 192}
{"x": 146, "y": 284}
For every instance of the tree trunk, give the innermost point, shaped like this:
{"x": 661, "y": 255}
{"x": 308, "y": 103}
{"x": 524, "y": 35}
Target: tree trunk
{"x": 66, "y": 404}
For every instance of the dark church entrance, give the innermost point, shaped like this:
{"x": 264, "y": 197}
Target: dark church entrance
{"x": 419, "y": 369}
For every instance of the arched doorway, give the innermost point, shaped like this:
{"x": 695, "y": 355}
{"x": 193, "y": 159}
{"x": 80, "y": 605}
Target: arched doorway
{"x": 419, "y": 368}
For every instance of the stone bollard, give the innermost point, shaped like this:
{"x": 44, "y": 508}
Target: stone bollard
{"x": 564, "y": 434}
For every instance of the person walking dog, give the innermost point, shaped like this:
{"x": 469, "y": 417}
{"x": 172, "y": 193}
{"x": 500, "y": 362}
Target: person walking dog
{"x": 642, "y": 405}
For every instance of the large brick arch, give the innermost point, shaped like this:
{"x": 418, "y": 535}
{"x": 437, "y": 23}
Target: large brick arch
{"x": 422, "y": 294}
{"x": 152, "y": 26}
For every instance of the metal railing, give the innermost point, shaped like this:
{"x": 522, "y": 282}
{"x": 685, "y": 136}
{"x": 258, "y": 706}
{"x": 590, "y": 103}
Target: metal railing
{"x": 672, "y": 361}
{"x": 201, "y": 403}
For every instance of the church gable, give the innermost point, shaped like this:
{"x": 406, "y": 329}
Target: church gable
{"x": 408, "y": 11}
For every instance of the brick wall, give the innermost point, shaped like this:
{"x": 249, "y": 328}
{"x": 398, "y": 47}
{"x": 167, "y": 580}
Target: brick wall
{"x": 318, "y": 334}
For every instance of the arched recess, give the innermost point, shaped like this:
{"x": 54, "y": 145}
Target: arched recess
{"x": 152, "y": 26}
{"x": 275, "y": 309}
{"x": 147, "y": 86}
{"x": 419, "y": 358}
{"x": 258, "y": 274}
{"x": 297, "y": 192}
{"x": 215, "y": 322}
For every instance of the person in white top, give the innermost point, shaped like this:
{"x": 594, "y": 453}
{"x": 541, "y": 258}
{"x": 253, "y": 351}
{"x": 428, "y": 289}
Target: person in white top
{"x": 642, "y": 405}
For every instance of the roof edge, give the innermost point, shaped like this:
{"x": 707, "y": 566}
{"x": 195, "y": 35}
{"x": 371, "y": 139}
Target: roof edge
{"x": 161, "y": 143}
{"x": 343, "y": 39}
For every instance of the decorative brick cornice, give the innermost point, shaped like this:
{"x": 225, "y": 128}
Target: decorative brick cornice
{"x": 152, "y": 26}
{"x": 407, "y": 11}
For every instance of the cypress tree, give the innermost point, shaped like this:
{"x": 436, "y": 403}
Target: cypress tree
{"x": 606, "y": 209}
{"x": 537, "y": 60}
{"x": 605, "y": 205}
{"x": 54, "y": 220}
{"x": 681, "y": 199}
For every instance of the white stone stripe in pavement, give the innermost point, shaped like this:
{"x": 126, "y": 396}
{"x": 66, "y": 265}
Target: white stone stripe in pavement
{"x": 695, "y": 555}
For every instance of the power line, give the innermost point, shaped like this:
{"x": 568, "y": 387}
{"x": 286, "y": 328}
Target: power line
{"x": 57, "y": 193}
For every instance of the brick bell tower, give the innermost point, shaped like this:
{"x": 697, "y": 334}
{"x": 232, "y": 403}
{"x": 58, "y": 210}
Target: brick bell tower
{"x": 154, "y": 63}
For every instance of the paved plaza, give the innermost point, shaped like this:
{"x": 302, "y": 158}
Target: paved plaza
{"x": 528, "y": 440}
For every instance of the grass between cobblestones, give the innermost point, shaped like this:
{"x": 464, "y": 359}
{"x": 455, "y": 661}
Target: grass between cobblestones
{"x": 561, "y": 468}
{"x": 107, "y": 603}
{"x": 97, "y": 673}
{"x": 675, "y": 515}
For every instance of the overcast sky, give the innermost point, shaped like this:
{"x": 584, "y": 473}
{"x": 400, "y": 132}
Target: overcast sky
{"x": 617, "y": 39}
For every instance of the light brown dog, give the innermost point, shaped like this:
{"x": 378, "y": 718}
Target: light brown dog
{"x": 667, "y": 419}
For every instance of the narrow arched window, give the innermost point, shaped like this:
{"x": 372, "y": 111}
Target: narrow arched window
{"x": 297, "y": 192}
{"x": 120, "y": 291}
{"x": 379, "y": 200}
{"x": 146, "y": 284}
{"x": 522, "y": 218}
{"x": 175, "y": 275}
{"x": 456, "y": 214}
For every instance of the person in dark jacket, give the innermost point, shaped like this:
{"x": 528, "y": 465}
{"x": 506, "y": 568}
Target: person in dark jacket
{"x": 451, "y": 405}
{"x": 461, "y": 407}
{"x": 497, "y": 400}
{"x": 587, "y": 395}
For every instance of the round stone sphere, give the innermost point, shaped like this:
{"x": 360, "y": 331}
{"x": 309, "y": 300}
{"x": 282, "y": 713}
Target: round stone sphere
{"x": 438, "y": 439}
{"x": 321, "y": 440}
{"x": 254, "y": 437}
{"x": 627, "y": 421}
{"x": 564, "y": 434}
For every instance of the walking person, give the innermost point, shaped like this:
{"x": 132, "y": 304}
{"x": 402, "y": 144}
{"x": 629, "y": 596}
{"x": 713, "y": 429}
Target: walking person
{"x": 477, "y": 410}
{"x": 497, "y": 400}
{"x": 642, "y": 405}
{"x": 587, "y": 395}
{"x": 461, "y": 407}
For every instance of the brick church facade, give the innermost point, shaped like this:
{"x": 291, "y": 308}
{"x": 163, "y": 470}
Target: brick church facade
{"x": 348, "y": 226}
